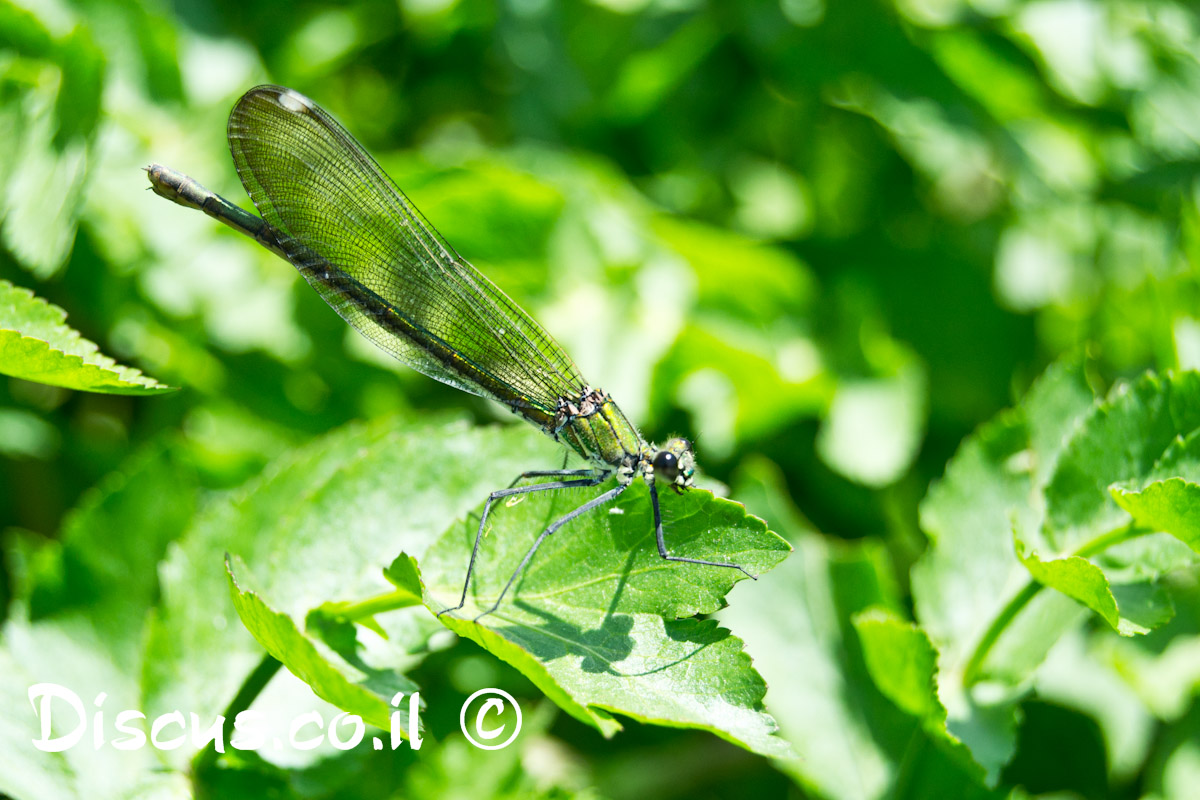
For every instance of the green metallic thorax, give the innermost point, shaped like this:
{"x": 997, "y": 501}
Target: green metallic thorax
{"x": 604, "y": 436}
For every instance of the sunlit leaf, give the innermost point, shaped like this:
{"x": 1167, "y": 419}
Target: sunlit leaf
{"x": 1119, "y": 441}
{"x": 1171, "y": 505}
{"x": 964, "y": 585}
{"x": 319, "y": 527}
{"x": 353, "y": 688}
{"x": 902, "y": 661}
{"x": 873, "y": 429}
{"x": 1078, "y": 579}
{"x": 850, "y": 737}
{"x": 598, "y": 620}
{"x": 36, "y": 345}
{"x": 78, "y": 623}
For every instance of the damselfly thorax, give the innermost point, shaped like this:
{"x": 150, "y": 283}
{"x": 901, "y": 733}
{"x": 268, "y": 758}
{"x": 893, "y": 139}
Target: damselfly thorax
{"x": 595, "y": 428}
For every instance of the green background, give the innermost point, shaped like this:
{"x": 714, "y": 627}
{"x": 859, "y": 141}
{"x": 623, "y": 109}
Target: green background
{"x": 824, "y": 241}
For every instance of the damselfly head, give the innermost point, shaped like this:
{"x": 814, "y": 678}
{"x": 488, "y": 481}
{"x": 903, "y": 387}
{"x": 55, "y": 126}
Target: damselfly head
{"x": 675, "y": 463}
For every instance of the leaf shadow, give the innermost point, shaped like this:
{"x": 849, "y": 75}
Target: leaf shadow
{"x": 341, "y": 636}
{"x": 600, "y": 648}
{"x": 612, "y": 642}
{"x": 555, "y": 638}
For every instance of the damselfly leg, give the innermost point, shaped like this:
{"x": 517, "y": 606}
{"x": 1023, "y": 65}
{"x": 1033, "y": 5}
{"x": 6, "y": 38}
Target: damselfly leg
{"x": 584, "y": 478}
{"x": 662, "y": 543}
{"x": 603, "y": 499}
{"x": 607, "y": 497}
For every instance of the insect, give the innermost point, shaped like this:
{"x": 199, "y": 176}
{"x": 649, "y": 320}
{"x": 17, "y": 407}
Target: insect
{"x": 328, "y": 208}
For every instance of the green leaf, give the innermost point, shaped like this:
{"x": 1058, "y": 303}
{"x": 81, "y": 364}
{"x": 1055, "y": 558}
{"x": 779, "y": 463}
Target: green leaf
{"x": 1181, "y": 459}
{"x": 1171, "y": 505}
{"x": 356, "y": 688}
{"x": 853, "y": 741}
{"x": 965, "y": 579}
{"x": 320, "y": 526}
{"x": 78, "y": 104}
{"x": 874, "y": 427}
{"x": 37, "y": 346}
{"x": 1144, "y": 605}
{"x": 78, "y": 620}
{"x": 43, "y": 183}
{"x": 23, "y": 32}
{"x": 848, "y": 736}
{"x": 972, "y": 596}
{"x": 646, "y": 78}
{"x": 1052, "y": 409}
{"x": 70, "y": 652}
{"x": 1130, "y": 609}
{"x": 1077, "y": 578}
{"x": 594, "y": 620}
{"x": 1043, "y": 471}
{"x": 334, "y": 621}
{"x": 1163, "y": 669}
{"x": 1120, "y": 440}
{"x": 1081, "y": 673}
{"x": 110, "y": 546}
{"x": 902, "y": 661}
{"x": 404, "y": 574}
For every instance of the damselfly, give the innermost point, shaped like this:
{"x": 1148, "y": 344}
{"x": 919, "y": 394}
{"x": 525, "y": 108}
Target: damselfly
{"x": 330, "y": 210}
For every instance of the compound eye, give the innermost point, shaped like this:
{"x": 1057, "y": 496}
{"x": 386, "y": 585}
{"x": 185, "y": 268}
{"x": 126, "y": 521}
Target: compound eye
{"x": 666, "y": 464}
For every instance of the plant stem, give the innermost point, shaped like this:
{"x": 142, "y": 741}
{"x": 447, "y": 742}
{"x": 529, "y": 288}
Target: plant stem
{"x": 1107, "y": 540}
{"x": 388, "y": 601}
{"x": 1030, "y": 590}
{"x": 1007, "y": 615}
{"x": 255, "y": 682}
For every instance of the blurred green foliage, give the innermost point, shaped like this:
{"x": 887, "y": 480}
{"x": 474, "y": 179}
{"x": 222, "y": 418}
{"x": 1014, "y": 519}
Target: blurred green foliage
{"x": 824, "y": 240}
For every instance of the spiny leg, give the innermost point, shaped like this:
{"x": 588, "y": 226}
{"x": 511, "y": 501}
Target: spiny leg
{"x": 594, "y": 477}
{"x": 590, "y": 472}
{"x": 607, "y": 497}
{"x": 561, "y": 473}
{"x": 662, "y": 544}
{"x": 549, "y": 473}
